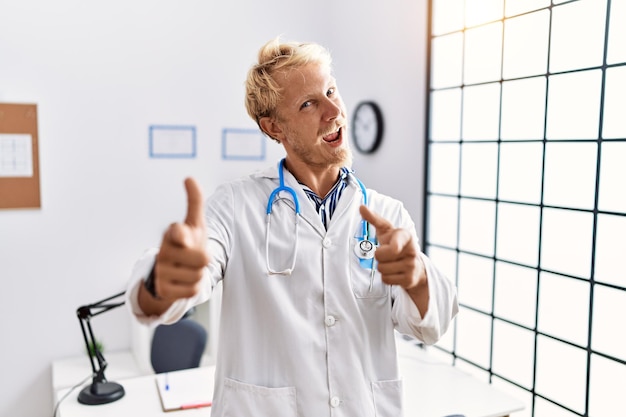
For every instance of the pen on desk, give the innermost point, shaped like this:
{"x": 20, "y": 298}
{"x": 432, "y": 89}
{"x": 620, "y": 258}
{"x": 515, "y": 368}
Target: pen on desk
{"x": 167, "y": 383}
{"x": 196, "y": 405}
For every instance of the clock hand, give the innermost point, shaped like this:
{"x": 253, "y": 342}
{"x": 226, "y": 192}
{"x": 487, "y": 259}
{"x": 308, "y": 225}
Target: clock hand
{"x": 364, "y": 123}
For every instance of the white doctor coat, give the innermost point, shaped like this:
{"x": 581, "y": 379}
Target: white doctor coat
{"x": 318, "y": 342}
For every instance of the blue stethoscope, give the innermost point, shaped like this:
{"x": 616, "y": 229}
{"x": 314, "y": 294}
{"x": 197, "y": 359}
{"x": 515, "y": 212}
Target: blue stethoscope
{"x": 364, "y": 248}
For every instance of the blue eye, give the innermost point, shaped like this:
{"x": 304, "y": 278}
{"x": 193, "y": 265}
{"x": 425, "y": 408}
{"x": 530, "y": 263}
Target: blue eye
{"x": 305, "y": 104}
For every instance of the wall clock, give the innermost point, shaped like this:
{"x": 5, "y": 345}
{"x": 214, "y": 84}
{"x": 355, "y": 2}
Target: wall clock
{"x": 367, "y": 127}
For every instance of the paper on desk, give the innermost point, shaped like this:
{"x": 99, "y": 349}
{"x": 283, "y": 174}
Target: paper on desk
{"x": 180, "y": 390}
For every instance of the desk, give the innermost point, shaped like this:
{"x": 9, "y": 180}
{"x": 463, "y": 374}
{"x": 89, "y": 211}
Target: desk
{"x": 141, "y": 399}
{"x": 436, "y": 389}
{"x": 433, "y": 389}
{"x": 68, "y": 372}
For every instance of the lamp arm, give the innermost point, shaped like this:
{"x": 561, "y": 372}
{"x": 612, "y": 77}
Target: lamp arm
{"x": 100, "y": 391}
{"x": 85, "y": 327}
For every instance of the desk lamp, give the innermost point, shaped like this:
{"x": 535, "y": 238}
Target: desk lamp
{"x": 100, "y": 391}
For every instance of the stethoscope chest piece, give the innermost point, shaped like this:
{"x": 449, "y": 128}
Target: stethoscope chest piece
{"x": 364, "y": 249}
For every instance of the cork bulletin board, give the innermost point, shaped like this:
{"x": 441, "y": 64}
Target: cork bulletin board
{"x": 19, "y": 157}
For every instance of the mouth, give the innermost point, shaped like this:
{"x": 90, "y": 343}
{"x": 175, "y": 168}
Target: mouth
{"x": 333, "y": 137}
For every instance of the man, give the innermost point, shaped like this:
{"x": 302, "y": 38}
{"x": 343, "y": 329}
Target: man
{"x": 308, "y": 317}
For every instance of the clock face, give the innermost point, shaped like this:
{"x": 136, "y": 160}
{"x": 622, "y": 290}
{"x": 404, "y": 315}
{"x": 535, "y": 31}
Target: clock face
{"x": 367, "y": 127}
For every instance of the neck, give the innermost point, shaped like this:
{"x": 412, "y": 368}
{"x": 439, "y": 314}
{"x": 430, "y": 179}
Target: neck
{"x": 319, "y": 179}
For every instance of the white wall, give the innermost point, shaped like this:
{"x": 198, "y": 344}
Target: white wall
{"x": 380, "y": 54}
{"x": 100, "y": 75}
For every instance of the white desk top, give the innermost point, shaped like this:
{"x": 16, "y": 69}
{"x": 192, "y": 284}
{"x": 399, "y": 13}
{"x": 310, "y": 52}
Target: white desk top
{"x": 68, "y": 372}
{"x": 140, "y": 399}
{"x": 433, "y": 389}
{"x": 436, "y": 389}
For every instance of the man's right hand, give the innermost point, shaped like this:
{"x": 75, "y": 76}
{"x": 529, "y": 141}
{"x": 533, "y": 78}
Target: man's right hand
{"x": 181, "y": 258}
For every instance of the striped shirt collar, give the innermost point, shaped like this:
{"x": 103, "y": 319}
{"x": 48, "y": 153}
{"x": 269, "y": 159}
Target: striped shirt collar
{"x": 325, "y": 207}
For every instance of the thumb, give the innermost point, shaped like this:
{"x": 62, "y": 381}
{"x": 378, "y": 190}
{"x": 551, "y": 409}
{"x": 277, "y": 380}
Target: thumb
{"x": 195, "y": 201}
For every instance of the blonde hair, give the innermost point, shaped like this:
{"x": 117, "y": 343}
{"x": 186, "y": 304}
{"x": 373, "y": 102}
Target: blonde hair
{"x": 262, "y": 91}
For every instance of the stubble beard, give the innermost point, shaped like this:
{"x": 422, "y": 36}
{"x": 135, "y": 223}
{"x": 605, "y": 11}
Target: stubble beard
{"x": 339, "y": 157}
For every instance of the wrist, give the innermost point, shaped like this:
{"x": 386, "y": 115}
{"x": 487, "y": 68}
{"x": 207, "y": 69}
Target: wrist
{"x": 149, "y": 283}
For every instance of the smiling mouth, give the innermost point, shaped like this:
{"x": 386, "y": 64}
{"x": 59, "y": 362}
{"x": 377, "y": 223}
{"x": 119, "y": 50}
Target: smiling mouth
{"x": 333, "y": 137}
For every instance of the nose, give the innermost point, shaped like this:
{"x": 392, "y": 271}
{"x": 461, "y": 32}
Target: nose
{"x": 333, "y": 109}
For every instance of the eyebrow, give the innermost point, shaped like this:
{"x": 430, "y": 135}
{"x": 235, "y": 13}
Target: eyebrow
{"x": 332, "y": 82}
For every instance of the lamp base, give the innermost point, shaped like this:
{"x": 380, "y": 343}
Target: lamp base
{"x": 101, "y": 393}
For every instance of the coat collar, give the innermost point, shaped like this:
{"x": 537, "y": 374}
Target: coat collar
{"x": 307, "y": 210}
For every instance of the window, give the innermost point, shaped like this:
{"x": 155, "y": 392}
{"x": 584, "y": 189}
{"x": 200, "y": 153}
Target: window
{"x": 526, "y": 202}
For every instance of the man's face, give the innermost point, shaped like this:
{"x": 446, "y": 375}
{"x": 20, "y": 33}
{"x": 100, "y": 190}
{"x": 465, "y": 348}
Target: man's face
{"x": 311, "y": 117}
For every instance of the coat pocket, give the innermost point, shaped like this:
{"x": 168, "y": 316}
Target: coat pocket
{"x": 242, "y": 400}
{"x": 388, "y": 398}
{"x": 364, "y": 283}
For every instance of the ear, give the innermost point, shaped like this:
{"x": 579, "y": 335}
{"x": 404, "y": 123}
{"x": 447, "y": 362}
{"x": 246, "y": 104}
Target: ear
{"x": 271, "y": 128}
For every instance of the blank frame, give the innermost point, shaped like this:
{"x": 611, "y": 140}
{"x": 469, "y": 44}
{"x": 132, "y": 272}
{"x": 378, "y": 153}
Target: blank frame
{"x": 172, "y": 141}
{"x": 243, "y": 144}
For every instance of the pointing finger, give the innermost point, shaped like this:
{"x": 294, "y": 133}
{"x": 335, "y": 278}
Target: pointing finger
{"x": 396, "y": 245}
{"x": 195, "y": 201}
{"x": 393, "y": 241}
{"x": 381, "y": 224}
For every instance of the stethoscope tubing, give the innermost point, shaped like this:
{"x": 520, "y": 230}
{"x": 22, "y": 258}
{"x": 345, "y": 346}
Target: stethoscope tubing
{"x": 282, "y": 187}
{"x": 294, "y": 197}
